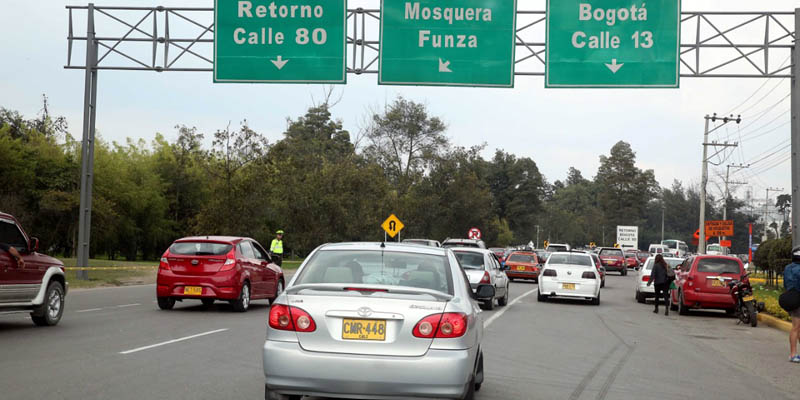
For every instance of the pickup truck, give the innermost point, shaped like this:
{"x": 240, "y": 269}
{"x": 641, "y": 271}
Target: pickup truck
{"x": 38, "y": 287}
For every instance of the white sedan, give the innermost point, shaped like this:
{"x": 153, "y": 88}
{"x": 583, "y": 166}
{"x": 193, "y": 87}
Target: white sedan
{"x": 643, "y": 292}
{"x": 571, "y": 275}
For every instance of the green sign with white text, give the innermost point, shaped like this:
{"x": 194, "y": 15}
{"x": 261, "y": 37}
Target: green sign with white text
{"x": 613, "y": 44}
{"x": 447, "y": 42}
{"x": 280, "y": 41}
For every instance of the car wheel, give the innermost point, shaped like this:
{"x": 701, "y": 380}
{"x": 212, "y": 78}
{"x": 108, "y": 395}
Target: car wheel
{"x": 603, "y": 283}
{"x": 470, "y": 395}
{"x": 682, "y": 309}
{"x": 540, "y": 297}
{"x": 640, "y": 297}
{"x": 488, "y": 304}
{"x": 504, "y": 300}
{"x": 511, "y": 279}
{"x": 165, "y": 303}
{"x": 271, "y": 395}
{"x": 278, "y": 291}
{"x": 596, "y": 300}
{"x": 50, "y": 312}
{"x": 207, "y": 302}
{"x": 624, "y": 272}
{"x": 243, "y": 302}
{"x": 479, "y": 374}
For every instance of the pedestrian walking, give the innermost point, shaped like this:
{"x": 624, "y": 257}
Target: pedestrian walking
{"x": 660, "y": 277}
{"x": 791, "y": 282}
{"x": 14, "y": 253}
{"x": 276, "y": 248}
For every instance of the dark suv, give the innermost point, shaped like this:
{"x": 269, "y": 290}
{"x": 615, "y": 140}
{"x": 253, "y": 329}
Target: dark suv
{"x": 40, "y": 286}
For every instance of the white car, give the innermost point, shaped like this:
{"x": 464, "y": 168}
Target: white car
{"x": 570, "y": 275}
{"x": 482, "y": 268}
{"x": 643, "y": 292}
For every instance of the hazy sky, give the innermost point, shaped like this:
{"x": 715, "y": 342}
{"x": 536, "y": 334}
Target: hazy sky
{"x": 558, "y": 128}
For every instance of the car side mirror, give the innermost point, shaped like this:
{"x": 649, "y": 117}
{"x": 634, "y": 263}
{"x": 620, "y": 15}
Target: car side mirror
{"x": 33, "y": 245}
{"x": 485, "y": 292}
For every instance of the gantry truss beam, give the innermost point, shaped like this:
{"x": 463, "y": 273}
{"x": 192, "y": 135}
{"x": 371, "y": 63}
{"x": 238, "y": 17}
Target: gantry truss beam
{"x": 713, "y": 44}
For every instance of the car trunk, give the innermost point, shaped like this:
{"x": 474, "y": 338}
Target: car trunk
{"x": 714, "y": 274}
{"x": 399, "y": 312}
{"x": 570, "y": 274}
{"x": 195, "y": 265}
{"x": 520, "y": 266}
{"x": 475, "y": 275}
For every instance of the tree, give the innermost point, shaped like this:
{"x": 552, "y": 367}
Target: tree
{"x": 404, "y": 140}
{"x": 784, "y": 203}
{"x": 516, "y": 186}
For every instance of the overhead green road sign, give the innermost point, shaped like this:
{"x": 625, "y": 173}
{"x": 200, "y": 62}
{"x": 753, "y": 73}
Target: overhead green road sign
{"x": 447, "y": 42}
{"x": 613, "y": 44}
{"x": 280, "y": 41}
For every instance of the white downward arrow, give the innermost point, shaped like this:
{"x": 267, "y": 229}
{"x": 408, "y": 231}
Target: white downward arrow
{"x": 444, "y": 66}
{"x": 279, "y": 62}
{"x": 614, "y": 67}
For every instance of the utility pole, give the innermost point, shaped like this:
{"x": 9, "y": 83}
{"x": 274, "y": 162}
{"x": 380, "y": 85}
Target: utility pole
{"x": 701, "y": 242}
{"x": 727, "y": 192}
{"x": 766, "y": 205}
{"x": 662, "y": 220}
{"x": 537, "y": 237}
{"x": 795, "y": 91}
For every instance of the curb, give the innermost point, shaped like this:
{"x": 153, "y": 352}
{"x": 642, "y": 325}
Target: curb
{"x": 775, "y": 323}
{"x": 109, "y": 268}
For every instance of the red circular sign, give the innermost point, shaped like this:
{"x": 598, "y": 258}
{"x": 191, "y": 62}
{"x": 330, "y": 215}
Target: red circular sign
{"x": 474, "y": 233}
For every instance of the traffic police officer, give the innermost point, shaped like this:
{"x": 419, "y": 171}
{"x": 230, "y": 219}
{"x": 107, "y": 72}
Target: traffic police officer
{"x": 276, "y": 248}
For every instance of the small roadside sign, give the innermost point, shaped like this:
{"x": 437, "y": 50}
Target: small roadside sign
{"x": 592, "y": 244}
{"x": 474, "y": 233}
{"x": 725, "y": 243}
{"x": 392, "y": 225}
{"x": 616, "y": 245}
{"x": 546, "y": 243}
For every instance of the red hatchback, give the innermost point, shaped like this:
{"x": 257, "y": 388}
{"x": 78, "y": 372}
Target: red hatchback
{"x": 208, "y": 268}
{"x": 702, "y": 282}
{"x": 522, "y": 265}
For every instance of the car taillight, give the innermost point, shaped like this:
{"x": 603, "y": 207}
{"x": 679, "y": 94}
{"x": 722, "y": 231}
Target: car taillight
{"x": 442, "y": 326}
{"x": 485, "y": 278}
{"x": 588, "y": 275}
{"x": 287, "y": 318}
{"x": 164, "y": 264}
{"x": 549, "y": 272}
{"x": 230, "y": 261}
{"x": 645, "y": 278}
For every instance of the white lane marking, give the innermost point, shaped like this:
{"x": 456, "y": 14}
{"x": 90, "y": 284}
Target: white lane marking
{"x": 129, "y": 305}
{"x": 172, "y": 341}
{"x": 89, "y": 310}
{"x": 499, "y": 313}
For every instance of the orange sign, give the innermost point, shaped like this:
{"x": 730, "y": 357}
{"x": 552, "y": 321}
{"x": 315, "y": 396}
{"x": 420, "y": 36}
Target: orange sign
{"x": 719, "y": 228}
{"x": 725, "y": 243}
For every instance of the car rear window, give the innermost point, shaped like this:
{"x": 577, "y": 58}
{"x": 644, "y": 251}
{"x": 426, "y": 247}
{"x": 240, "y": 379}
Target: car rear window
{"x": 611, "y": 252}
{"x": 672, "y": 263}
{"x": 718, "y": 266}
{"x": 390, "y": 268}
{"x": 459, "y": 244}
{"x": 556, "y": 248}
{"x": 470, "y": 260}
{"x": 200, "y": 248}
{"x": 570, "y": 259}
{"x": 521, "y": 258}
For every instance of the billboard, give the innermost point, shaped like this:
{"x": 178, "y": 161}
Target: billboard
{"x": 628, "y": 236}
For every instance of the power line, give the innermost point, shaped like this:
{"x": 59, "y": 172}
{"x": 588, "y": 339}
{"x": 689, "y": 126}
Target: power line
{"x": 756, "y": 91}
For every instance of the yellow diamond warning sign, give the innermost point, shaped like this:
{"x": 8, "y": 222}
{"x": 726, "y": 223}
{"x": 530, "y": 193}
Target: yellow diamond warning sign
{"x": 392, "y": 225}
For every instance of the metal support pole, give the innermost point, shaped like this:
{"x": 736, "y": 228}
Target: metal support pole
{"x": 796, "y": 133}
{"x": 87, "y": 146}
{"x": 662, "y": 221}
{"x": 537, "y": 237}
{"x": 701, "y": 241}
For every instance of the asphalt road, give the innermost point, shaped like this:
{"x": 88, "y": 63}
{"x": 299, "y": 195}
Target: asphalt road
{"x": 102, "y": 349}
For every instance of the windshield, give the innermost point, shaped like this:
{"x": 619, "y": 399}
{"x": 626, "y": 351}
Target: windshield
{"x": 525, "y": 258}
{"x": 672, "y": 244}
{"x": 470, "y": 260}
{"x": 391, "y": 268}
{"x": 718, "y": 266}
{"x": 570, "y": 259}
{"x": 611, "y": 253}
{"x": 460, "y": 244}
{"x": 200, "y": 248}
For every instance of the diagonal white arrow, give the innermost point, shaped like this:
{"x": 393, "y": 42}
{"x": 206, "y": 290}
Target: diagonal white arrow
{"x": 279, "y": 62}
{"x": 444, "y": 66}
{"x": 614, "y": 67}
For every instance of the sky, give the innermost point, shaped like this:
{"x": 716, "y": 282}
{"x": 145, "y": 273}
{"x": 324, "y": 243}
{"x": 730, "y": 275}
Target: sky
{"x": 557, "y": 128}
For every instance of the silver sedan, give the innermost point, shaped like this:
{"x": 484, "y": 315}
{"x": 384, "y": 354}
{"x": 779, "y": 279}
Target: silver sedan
{"x": 378, "y": 321}
{"x": 482, "y": 268}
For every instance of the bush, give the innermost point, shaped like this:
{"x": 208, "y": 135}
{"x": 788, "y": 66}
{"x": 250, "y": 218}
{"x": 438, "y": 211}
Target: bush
{"x": 770, "y": 299}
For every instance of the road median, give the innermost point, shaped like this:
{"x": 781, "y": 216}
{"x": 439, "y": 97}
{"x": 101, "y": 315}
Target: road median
{"x": 775, "y": 322}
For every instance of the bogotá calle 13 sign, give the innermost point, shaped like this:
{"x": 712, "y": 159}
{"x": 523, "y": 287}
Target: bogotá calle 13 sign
{"x": 280, "y": 41}
{"x": 613, "y": 43}
{"x": 447, "y": 42}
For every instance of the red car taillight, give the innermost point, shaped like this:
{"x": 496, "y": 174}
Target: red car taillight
{"x": 485, "y": 278}
{"x": 442, "y": 326}
{"x": 230, "y": 261}
{"x": 164, "y": 263}
{"x": 645, "y": 278}
{"x": 287, "y": 318}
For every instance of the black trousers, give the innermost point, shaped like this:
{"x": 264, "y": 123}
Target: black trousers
{"x": 277, "y": 259}
{"x": 662, "y": 290}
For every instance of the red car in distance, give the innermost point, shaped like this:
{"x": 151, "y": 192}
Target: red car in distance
{"x": 209, "y": 268}
{"x": 500, "y": 253}
{"x": 613, "y": 259}
{"x": 631, "y": 260}
{"x": 523, "y": 265}
{"x": 702, "y": 282}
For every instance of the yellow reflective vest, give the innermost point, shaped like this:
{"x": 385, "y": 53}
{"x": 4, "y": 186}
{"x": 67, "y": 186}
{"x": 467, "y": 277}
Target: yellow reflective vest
{"x": 276, "y": 247}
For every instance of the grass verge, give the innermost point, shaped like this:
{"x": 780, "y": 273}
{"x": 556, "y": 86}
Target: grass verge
{"x": 770, "y": 298}
{"x": 111, "y": 277}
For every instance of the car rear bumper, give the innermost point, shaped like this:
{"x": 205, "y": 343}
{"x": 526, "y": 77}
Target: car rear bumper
{"x": 708, "y": 300}
{"x": 582, "y": 290}
{"x": 522, "y": 274}
{"x": 289, "y": 369}
{"x": 614, "y": 267}
{"x": 224, "y": 286}
{"x": 647, "y": 290}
